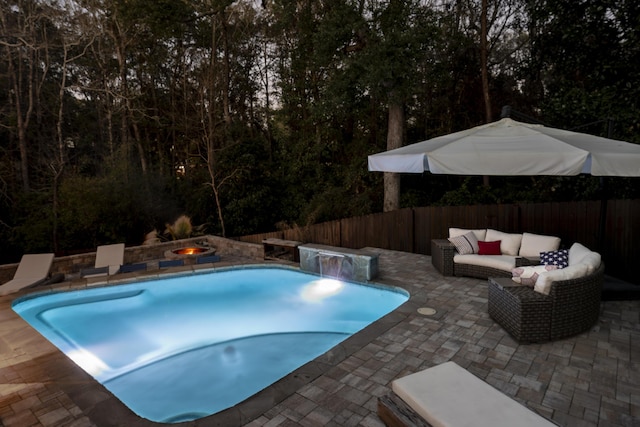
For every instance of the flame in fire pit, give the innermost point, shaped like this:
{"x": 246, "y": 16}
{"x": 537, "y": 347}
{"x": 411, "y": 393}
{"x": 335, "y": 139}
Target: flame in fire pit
{"x": 189, "y": 251}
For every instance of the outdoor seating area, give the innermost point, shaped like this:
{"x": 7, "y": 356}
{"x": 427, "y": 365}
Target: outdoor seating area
{"x": 585, "y": 379}
{"x": 536, "y": 292}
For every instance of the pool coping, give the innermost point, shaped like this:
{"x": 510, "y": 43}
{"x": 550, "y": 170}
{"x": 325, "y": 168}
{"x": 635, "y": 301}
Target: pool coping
{"x": 105, "y": 409}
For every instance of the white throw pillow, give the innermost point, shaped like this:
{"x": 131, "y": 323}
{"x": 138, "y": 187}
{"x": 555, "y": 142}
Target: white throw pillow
{"x": 509, "y": 243}
{"x": 533, "y": 244}
{"x": 543, "y": 284}
{"x": 455, "y": 232}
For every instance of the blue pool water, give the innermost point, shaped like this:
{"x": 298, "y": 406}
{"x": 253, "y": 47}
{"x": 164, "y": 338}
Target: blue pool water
{"x": 181, "y": 348}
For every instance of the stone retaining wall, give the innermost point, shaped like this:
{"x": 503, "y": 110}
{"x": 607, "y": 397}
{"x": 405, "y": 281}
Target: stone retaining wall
{"x": 134, "y": 254}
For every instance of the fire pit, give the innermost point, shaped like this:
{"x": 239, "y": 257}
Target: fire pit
{"x": 189, "y": 253}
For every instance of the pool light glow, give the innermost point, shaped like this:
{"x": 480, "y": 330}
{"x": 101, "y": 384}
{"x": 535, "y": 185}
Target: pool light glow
{"x": 321, "y": 289}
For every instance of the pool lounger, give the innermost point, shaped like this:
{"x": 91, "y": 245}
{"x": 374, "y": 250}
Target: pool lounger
{"x": 32, "y": 270}
{"x": 449, "y": 395}
{"x": 109, "y": 259}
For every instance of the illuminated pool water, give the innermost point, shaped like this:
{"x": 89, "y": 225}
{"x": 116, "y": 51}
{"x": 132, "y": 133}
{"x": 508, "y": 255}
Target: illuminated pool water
{"x": 181, "y": 348}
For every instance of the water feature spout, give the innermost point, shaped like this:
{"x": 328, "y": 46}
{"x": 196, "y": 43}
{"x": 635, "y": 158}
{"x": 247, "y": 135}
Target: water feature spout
{"x": 329, "y": 256}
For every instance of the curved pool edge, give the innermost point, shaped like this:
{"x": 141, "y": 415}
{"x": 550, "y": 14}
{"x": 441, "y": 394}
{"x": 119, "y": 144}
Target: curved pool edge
{"x": 99, "y": 404}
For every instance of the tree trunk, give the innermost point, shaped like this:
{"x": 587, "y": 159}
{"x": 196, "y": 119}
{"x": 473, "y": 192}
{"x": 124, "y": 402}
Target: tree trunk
{"x": 226, "y": 112}
{"x": 394, "y": 140}
{"x": 484, "y": 71}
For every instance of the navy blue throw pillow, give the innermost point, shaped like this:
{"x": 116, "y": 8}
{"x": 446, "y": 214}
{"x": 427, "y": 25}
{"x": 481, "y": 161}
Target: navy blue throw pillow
{"x": 558, "y": 258}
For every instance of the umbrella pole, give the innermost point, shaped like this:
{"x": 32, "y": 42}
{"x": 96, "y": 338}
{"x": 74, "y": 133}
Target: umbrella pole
{"x": 603, "y": 215}
{"x": 603, "y": 196}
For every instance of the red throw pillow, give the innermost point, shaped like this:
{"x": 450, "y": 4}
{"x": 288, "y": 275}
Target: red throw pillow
{"x": 489, "y": 248}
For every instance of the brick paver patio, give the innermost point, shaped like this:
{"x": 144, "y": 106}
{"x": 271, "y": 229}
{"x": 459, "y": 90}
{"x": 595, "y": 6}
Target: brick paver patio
{"x": 592, "y": 379}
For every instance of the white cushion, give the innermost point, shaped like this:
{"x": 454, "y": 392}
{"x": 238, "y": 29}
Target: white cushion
{"x": 449, "y": 395}
{"x": 533, "y": 244}
{"x": 543, "y": 284}
{"x": 592, "y": 261}
{"x": 455, "y": 232}
{"x": 577, "y": 252}
{"x": 509, "y": 243}
{"x": 501, "y": 262}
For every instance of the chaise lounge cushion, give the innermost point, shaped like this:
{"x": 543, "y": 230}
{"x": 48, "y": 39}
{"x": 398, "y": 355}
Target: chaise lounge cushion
{"x": 449, "y": 395}
{"x": 533, "y": 244}
{"x": 509, "y": 243}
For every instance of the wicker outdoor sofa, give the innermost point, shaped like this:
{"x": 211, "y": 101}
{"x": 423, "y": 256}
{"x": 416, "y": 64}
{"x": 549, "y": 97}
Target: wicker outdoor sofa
{"x": 443, "y": 251}
{"x": 563, "y": 303}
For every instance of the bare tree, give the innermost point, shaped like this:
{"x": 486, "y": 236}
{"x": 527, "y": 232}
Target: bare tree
{"x": 69, "y": 25}
{"x": 23, "y": 37}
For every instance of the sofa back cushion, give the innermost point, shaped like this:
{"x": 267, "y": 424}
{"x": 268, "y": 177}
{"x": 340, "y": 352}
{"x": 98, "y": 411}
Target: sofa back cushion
{"x": 455, "y": 232}
{"x": 533, "y": 244}
{"x": 509, "y": 243}
{"x": 579, "y": 253}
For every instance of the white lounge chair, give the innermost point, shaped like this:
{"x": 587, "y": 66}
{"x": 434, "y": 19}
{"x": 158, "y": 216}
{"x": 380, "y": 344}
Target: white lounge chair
{"x": 449, "y": 395}
{"x": 32, "y": 270}
{"x": 109, "y": 259}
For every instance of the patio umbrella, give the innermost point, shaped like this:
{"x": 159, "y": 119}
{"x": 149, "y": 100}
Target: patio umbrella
{"x": 510, "y": 148}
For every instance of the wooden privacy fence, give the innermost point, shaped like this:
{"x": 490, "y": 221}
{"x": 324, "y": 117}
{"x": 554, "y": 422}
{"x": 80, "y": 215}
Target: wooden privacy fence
{"x": 411, "y": 229}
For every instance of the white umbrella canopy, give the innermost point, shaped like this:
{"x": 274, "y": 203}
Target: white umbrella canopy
{"x": 511, "y": 148}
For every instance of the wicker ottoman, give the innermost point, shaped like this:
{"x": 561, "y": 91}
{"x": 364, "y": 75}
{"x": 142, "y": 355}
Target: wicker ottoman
{"x": 522, "y": 312}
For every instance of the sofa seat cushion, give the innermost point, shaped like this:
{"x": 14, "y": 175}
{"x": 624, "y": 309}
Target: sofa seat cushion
{"x": 533, "y": 244}
{"x": 449, "y": 395}
{"x": 501, "y": 262}
{"x": 543, "y": 283}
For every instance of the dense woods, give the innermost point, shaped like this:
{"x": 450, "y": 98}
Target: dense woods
{"x": 118, "y": 116}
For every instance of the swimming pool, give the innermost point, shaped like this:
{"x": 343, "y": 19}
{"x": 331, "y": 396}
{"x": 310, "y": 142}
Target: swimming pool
{"x": 184, "y": 347}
